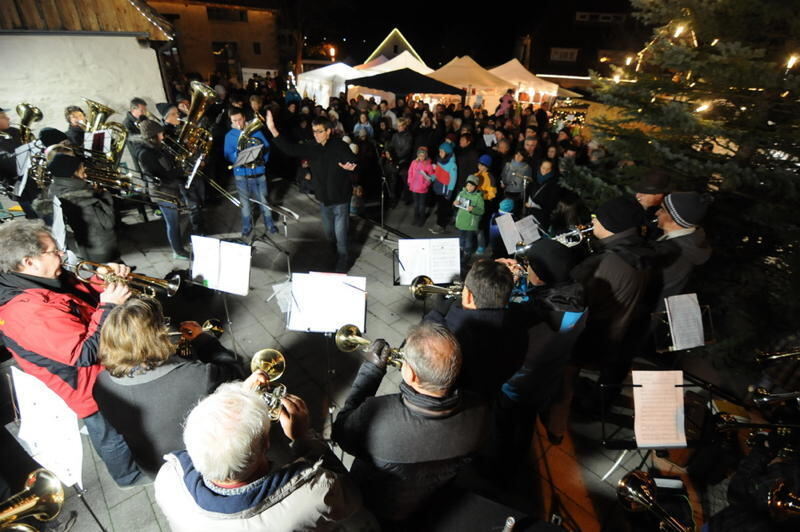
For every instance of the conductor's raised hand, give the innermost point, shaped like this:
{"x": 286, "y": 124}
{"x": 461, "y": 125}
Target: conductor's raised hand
{"x": 348, "y": 166}
{"x": 294, "y": 417}
{"x": 115, "y": 293}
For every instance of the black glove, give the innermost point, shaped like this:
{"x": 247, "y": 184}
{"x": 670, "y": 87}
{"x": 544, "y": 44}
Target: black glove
{"x": 378, "y": 353}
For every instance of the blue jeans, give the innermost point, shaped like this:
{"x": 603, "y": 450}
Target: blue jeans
{"x": 335, "y": 225}
{"x": 466, "y": 240}
{"x": 112, "y": 449}
{"x": 255, "y": 188}
{"x": 172, "y": 220}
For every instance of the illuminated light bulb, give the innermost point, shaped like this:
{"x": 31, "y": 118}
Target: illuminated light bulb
{"x": 791, "y": 62}
{"x": 604, "y": 59}
{"x": 652, "y": 99}
{"x": 679, "y": 30}
{"x": 784, "y": 94}
{"x": 617, "y": 78}
{"x": 703, "y": 107}
{"x": 629, "y": 60}
{"x": 743, "y": 108}
{"x": 714, "y": 42}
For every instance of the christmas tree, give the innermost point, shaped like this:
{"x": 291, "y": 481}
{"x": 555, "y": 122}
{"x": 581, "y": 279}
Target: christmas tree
{"x": 713, "y": 98}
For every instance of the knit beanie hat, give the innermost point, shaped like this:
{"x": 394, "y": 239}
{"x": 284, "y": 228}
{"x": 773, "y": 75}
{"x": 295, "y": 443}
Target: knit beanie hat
{"x": 51, "y": 135}
{"x": 475, "y": 180}
{"x": 485, "y": 160}
{"x": 150, "y": 128}
{"x": 163, "y": 108}
{"x": 423, "y": 150}
{"x": 447, "y": 148}
{"x": 506, "y": 206}
{"x": 687, "y": 208}
{"x": 63, "y": 165}
{"x": 551, "y": 260}
{"x": 619, "y": 214}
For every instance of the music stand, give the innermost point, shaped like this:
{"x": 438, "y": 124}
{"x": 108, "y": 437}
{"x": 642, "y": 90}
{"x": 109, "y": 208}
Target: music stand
{"x": 663, "y": 334}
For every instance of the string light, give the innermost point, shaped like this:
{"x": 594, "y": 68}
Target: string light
{"x": 617, "y": 78}
{"x": 169, "y": 34}
{"x": 628, "y": 60}
{"x": 679, "y": 30}
{"x": 791, "y": 62}
{"x": 714, "y": 42}
{"x": 703, "y": 107}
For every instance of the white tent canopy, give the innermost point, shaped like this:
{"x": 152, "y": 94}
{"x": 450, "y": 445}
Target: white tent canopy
{"x": 323, "y": 83}
{"x": 525, "y": 81}
{"x": 372, "y": 64}
{"x": 481, "y": 85}
{"x": 404, "y": 60}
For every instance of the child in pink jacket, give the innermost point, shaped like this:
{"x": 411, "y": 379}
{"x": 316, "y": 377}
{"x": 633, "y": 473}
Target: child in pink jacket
{"x": 420, "y": 176}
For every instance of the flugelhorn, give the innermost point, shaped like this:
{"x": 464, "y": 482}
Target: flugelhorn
{"x": 637, "y": 491}
{"x": 348, "y": 338}
{"x": 273, "y": 363}
{"x": 422, "y": 286}
{"x": 761, "y": 396}
{"x": 574, "y": 236}
{"x": 41, "y": 498}
{"x": 139, "y": 285}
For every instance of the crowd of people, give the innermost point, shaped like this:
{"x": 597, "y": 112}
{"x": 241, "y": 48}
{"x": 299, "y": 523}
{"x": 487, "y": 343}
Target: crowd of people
{"x": 476, "y": 373}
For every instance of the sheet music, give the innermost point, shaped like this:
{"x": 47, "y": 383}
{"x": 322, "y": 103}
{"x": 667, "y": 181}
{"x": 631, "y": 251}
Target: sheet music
{"x": 685, "y": 321}
{"x": 528, "y": 229}
{"x": 48, "y": 429}
{"x": 508, "y": 232}
{"x": 248, "y": 155}
{"x": 59, "y": 228}
{"x": 438, "y": 258}
{"x": 99, "y": 140}
{"x": 221, "y": 265}
{"x": 323, "y": 302}
{"x": 24, "y": 158}
{"x": 658, "y": 409}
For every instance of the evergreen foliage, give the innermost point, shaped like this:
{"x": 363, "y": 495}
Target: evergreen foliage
{"x": 716, "y": 71}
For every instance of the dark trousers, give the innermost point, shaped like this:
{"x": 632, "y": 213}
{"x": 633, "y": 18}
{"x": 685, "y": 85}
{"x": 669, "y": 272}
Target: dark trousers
{"x": 420, "y": 199}
{"x": 444, "y": 210}
{"x": 112, "y": 449}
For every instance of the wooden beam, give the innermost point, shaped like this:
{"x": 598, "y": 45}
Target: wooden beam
{"x": 29, "y": 11}
{"x": 88, "y": 12}
{"x": 9, "y": 16}
{"x": 52, "y": 18}
{"x": 69, "y": 15}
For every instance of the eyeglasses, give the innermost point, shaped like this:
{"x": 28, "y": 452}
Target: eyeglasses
{"x": 53, "y": 251}
{"x": 318, "y": 131}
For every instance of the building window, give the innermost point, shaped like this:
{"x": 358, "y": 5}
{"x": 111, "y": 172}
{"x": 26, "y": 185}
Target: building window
{"x": 257, "y": 48}
{"x": 601, "y": 18}
{"x": 223, "y": 14}
{"x": 564, "y": 54}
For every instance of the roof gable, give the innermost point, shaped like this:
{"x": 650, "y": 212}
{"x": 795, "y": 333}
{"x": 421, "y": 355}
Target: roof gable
{"x": 396, "y": 35}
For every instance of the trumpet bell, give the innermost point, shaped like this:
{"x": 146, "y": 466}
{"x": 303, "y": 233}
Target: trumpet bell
{"x": 348, "y": 338}
{"x": 41, "y": 498}
{"x": 417, "y": 285}
{"x": 213, "y": 326}
{"x": 270, "y": 361}
{"x": 636, "y": 491}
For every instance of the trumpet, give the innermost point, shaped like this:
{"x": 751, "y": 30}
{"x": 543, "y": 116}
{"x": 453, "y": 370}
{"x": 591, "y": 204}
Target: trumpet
{"x": 41, "y": 498}
{"x": 765, "y": 357}
{"x": 348, "y": 338}
{"x": 273, "y": 363}
{"x": 637, "y": 491}
{"x": 212, "y": 326}
{"x": 422, "y": 286}
{"x": 761, "y": 396}
{"x": 782, "y": 503}
{"x": 139, "y": 285}
{"x": 724, "y": 422}
{"x": 575, "y": 236}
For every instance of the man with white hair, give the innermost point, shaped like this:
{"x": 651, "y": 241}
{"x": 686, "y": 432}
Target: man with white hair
{"x": 224, "y": 480}
{"x": 408, "y": 445}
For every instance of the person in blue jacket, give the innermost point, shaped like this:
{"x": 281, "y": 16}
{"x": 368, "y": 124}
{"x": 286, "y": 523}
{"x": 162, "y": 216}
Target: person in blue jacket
{"x": 251, "y": 178}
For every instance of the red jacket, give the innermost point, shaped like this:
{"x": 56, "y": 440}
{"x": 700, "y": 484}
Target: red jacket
{"x": 54, "y": 334}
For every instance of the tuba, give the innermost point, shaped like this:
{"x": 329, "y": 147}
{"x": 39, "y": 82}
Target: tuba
{"x": 196, "y": 140}
{"x": 139, "y": 285}
{"x": 637, "y": 491}
{"x": 273, "y": 363}
{"x": 423, "y": 286}
{"x": 28, "y": 114}
{"x": 348, "y": 338}
{"x": 97, "y": 120}
{"x": 41, "y": 498}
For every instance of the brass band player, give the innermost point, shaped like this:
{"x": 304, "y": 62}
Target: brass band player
{"x": 76, "y": 120}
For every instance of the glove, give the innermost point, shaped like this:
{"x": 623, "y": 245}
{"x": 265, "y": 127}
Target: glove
{"x": 378, "y": 353}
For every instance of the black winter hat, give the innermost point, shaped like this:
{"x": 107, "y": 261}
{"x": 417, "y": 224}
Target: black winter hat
{"x": 551, "y": 260}
{"x": 150, "y": 128}
{"x": 619, "y": 214}
{"x": 164, "y": 107}
{"x": 653, "y": 182}
{"x": 687, "y": 208}
{"x": 51, "y": 135}
{"x": 63, "y": 165}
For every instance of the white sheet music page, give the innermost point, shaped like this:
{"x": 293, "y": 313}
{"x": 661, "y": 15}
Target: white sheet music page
{"x": 323, "y": 302}
{"x": 205, "y": 266}
{"x": 234, "y": 273}
{"x": 508, "y": 232}
{"x": 438, "y": 258}
{"x": 658, "y": 409}
{"x": 685, "y": 321}
{"x": 528, "y": 229}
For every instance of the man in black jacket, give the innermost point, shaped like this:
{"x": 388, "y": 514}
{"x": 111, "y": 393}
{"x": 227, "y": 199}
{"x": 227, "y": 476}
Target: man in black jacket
{"x": 332, "y": 163}
{"x": 466, "y": 159}
{"x": 407, "y": 445}
{"x": 399, "y": 152}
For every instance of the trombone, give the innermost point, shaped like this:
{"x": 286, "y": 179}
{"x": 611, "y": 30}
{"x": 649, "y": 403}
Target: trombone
{"x": 761, "y": 396}
{"x": 348, "y": 338}
{"x": 273, "y": 363}
{"x": 422, "y": 286}
{"x": 139, "y": 285}
{"x": 637, "y": 491}
{"x": 765, "y": 357}
{"x": 41, "y": 498}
